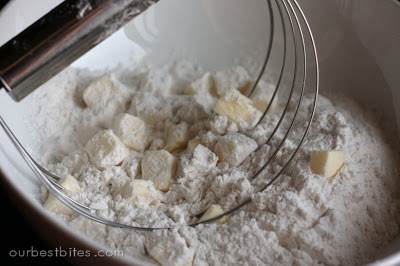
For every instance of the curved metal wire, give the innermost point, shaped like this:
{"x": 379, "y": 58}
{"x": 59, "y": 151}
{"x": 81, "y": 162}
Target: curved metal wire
{"x": 285, "y": 110}
{"x": 79, "y": 208}
{"x": 50, "y": 180}
{"x": 271, "y": 38}
{"x": 278, "y": 84}
{"x": 285, "y": 2}
{"x": 34, "y": 165}
{"x": 285, "y": 45}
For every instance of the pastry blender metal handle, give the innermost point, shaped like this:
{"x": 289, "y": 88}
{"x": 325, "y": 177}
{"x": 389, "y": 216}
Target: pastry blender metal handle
{"x": 60, "y": 37}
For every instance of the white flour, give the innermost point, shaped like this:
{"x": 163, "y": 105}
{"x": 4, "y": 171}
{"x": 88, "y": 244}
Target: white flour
{"x": 303, "y": 219}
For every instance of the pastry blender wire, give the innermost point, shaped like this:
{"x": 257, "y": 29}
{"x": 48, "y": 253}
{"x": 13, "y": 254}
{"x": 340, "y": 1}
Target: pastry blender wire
{"x": 299, "y": 69}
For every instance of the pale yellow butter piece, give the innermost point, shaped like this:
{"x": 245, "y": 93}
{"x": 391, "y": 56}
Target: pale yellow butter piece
{"x": 234, "y": 78}
{"x": 193, "y": 143}
{"x": 141, "y": 189}
{"x": 134, "y": 188}
{"x": 126, "y": 191}
{"x": 105, "y": 149}
{"x": 234, "y": 148}
{"x": 131, "y": 164}
{"x": 327, "y": 163}
{"x": 131, "y": 130}
{"x": 205, "y": 84}
{"x": 53, "y": 204}
{"x": 103, "y": 92}
{"x": 262, "y": 96}
{"x": 237, "y": 108}
{"x": 177, "y": 137}
{"x": 159, "y": 167}
{"x": 214, "y": 211}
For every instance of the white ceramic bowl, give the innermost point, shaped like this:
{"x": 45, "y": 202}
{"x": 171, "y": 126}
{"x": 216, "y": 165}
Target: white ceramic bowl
{"x": 357, "y": 42}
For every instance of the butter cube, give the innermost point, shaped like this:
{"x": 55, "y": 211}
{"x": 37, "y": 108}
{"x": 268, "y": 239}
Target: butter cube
{"x": 327, "y": 163}
{"x": 262, "y": 96}
{"x": 136, "y": 188}
{"x": 177, "y": 138}
{"x": 203, "y": 159}
{"x": 203, "y": 85}
{"x": 131, "y": 130}
{"x": 53, "y": 204}
{"x": 131, "y": 164}
{"x": 237, "y": 108}
{"x": 214, "y": 211}
{"x": 234, "y": 148}
{"x": 141, "y": 189}
{"x": 105, "y": 149}
{"x": 236, "y": 78}
{"x": 102, "y": 95}
{"x": 193, "y": 143}
{"x": 159, "y": 167}
{"x": 126, "y": 191}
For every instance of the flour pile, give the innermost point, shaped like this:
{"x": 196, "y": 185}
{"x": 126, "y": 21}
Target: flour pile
{"x": 303, "y": 219}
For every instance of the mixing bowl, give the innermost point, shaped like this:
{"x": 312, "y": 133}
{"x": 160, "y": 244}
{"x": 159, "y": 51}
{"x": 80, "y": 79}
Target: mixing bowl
{"x": 357, "y": 42}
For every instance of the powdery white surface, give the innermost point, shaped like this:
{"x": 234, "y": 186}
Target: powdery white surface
{"x": 303, "y": 219}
